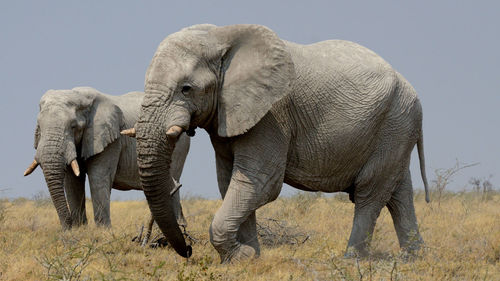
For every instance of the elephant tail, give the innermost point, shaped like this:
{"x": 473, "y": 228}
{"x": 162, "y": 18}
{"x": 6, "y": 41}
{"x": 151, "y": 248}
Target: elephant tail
{"x": 421, "y": 158}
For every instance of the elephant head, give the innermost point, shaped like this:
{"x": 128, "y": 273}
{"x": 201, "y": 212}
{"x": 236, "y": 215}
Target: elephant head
{"x": 72, "y": 125}
{"x": 223, "y": 79}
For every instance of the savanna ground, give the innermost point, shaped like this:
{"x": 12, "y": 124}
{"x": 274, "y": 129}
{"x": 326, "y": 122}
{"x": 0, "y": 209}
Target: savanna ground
{"x": 305, "y": 237}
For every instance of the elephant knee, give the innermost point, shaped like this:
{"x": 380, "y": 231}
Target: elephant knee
{"x": 218, "y": 231}
{"x": 223, "y": 240}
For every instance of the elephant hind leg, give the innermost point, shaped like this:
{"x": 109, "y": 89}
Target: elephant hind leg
{"x": 373, "y": 189}
{"x": 403, "y": 215}
{"x": 365, "y": 217}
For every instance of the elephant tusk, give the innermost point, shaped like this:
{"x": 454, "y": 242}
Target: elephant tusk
{"x": 176, "y": 188}
{"x": 76, "y": 169}
{"x": 31, "y": 168}
{"x": 129, "y": 132}
{"x": 174, "y": 131}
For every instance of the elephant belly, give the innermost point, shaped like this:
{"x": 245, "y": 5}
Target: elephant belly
{"x": 317, "y": 181}
{"x": 127, "y": 181}
{"x": 330, "y": 158}
{"x": 124, "y": 186}
{"x": 338, "y": 104}
{"x": 127, "y": 172}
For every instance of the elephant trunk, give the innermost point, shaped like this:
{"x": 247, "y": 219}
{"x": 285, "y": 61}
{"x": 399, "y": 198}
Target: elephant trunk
{"x": 53, "y": 164}
{"x": 54, "y": 172}
{"x": 154, "y": 153}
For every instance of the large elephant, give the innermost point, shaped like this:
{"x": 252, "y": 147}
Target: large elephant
{"x": 330, "y": 116}
{"x": 80, "y": 128}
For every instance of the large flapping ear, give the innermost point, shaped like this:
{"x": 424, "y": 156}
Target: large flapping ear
{"x": 104, "y": 123}
{"x": 257, "y": 71}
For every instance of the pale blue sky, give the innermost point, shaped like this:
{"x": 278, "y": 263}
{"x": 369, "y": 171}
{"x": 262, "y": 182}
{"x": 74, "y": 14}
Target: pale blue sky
{"x": 449, "y": 51}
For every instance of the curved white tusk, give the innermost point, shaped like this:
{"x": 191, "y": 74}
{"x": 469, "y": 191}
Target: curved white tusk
{"x": 31, "y": 168}
{"x": 129, "y": 132}
{"x": 174, "y": 131}
{"x": 76, "y": 169}
{"x": 176, "y": 187}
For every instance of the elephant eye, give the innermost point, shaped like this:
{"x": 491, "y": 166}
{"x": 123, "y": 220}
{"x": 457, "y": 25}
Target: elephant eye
{"x": 186, "y": 89}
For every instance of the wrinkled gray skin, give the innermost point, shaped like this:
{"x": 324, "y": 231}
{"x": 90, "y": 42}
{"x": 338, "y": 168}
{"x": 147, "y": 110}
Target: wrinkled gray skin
{"x": 85, "y": 124}
{"x": 331, "y": 116}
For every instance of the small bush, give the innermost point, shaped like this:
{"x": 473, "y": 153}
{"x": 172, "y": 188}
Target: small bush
{"x": 444, "y": 178}
{"x": 68, "y": 265}
{"x": 273, "y": 232}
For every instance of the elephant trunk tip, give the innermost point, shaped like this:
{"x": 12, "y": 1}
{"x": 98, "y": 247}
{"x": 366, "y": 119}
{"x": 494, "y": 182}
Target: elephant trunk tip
{"x": 189, "y": 251}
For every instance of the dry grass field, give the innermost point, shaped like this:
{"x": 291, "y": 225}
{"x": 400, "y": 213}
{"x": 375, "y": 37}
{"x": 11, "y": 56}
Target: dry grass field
{"x": 305, "y": 236}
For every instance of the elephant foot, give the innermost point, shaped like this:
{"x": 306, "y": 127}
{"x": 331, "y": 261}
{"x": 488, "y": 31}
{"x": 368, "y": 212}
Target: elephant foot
{"x": 353, "y": 253}
{"x": 105, "y": 225}
{"x": 242, "y": 253}
{"x": 411, "y": 252}
{"x": 411, "y": 245}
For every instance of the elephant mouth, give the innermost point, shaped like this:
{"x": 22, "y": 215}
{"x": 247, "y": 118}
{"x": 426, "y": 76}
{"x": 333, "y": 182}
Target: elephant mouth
{"x": 191, "y": 132}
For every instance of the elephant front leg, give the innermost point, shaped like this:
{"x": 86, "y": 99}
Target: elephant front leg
{"x": 233, "y": 231}
{"x": 247, "y": 234}
{"x": 250, "y": 172}
{"x": 100, "y": 189}
{"x": 101, "y": 171}
{"x": 229, "y": 219}
{"x": 75, "y": 193}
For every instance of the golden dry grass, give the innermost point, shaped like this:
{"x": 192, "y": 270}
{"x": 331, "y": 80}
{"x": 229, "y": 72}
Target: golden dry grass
{"x": 462, "y": 238}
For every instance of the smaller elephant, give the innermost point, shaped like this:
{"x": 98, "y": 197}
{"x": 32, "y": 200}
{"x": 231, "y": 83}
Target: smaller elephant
{"x": 80, "y": 128}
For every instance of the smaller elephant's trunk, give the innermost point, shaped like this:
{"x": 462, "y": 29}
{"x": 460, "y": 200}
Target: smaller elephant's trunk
{"x": 54, "y": 173}
{"x": 54, "y": 153}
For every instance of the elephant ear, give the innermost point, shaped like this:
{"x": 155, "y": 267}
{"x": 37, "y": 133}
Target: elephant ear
{"x": 104, "y": 123}
{"x": 257, "y": 71}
